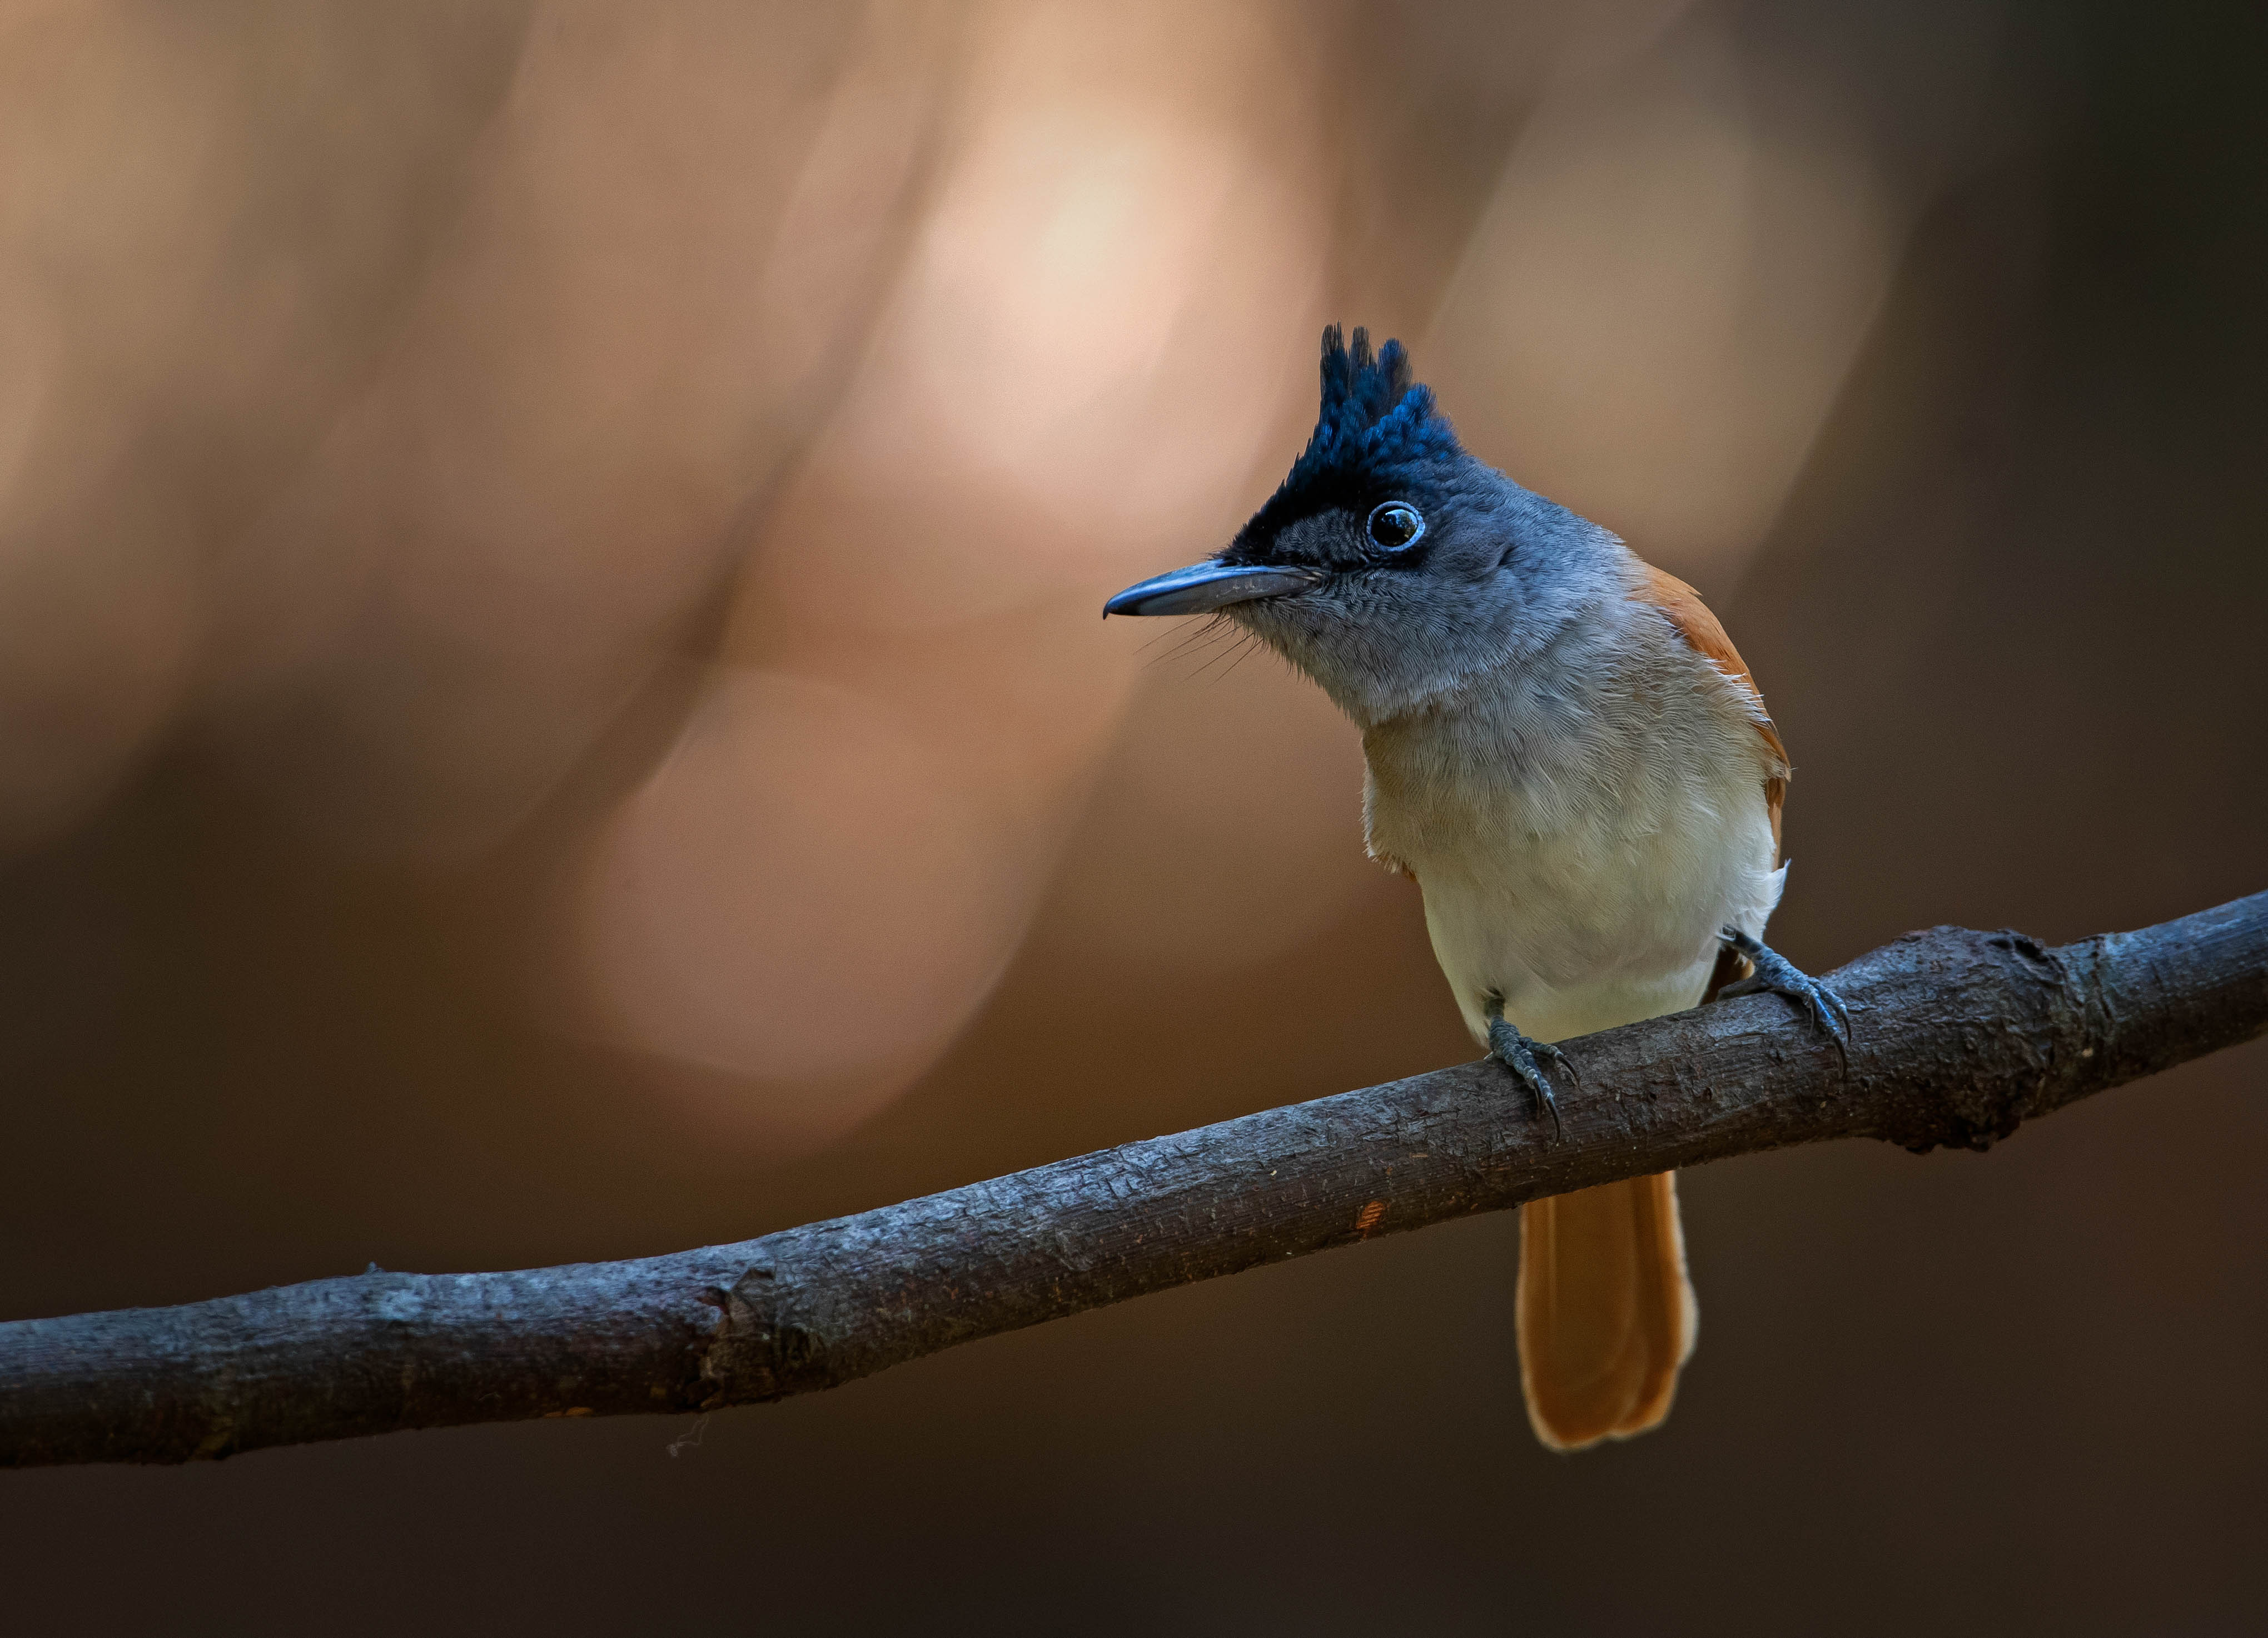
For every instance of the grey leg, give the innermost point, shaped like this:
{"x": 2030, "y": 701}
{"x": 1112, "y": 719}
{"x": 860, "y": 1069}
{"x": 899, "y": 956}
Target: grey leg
{"x": 1519, "y": 1054}
{"x": 1775, "y": 973}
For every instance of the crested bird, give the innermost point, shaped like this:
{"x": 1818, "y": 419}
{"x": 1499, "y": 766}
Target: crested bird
{"x": 1565, "y": 750}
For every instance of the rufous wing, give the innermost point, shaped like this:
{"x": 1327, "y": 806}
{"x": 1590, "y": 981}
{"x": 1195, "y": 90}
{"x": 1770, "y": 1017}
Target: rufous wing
{"x": 1606, "y": 1315}
{"x": 1681, "y": 606}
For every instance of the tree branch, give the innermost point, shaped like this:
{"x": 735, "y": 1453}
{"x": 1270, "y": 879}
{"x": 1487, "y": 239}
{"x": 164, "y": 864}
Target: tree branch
{"x": 1958, "y": 1037}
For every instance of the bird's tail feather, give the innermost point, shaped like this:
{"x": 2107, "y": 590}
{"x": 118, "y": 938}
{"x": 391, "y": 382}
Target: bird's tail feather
{"x": 1606, "y": 1313}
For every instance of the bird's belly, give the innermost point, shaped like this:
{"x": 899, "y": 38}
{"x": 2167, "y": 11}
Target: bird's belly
{"x": 1584, "y": 931}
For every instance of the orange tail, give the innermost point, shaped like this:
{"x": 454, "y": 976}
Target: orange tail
{"x": 1606, "y": 1313}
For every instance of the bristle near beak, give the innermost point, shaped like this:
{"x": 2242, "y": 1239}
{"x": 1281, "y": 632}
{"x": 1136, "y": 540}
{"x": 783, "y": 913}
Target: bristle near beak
{"x": 1204, "y": 587}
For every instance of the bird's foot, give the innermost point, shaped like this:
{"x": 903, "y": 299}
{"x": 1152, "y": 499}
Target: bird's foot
{"x": 1774, "y": 972}
{"x": 1519, "y": 1054}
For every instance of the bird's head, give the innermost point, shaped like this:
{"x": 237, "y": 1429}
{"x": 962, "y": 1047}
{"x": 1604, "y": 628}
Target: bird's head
{"x": 1390, "y": 564}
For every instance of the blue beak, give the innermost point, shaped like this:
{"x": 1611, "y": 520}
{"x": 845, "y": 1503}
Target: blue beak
{"x": 1204, "y": 587}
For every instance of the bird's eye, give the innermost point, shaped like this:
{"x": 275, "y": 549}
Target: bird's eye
{"x": 1396, "y": 524}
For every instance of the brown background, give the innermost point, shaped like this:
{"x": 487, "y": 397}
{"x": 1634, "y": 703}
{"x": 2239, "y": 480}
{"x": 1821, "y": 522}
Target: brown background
{"x": 551, "y": 708}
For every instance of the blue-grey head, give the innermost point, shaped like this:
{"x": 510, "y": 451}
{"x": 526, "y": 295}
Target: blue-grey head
{"x": 1390, "y": 564}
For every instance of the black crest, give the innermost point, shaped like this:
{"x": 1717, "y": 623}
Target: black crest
{"x": 1378, "y": 433}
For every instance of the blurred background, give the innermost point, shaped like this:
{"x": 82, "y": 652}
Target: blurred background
{"x": 551, "y": 707}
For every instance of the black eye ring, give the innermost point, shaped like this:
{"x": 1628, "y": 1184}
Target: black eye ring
{"x": 1395, "y": 525}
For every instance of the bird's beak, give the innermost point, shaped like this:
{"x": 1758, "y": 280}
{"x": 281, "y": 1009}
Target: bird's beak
{"x": 1203, "y": 587}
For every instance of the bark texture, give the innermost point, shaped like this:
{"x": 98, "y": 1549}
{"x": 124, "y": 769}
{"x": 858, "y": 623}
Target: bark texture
{"x": 1958, "y": 1037}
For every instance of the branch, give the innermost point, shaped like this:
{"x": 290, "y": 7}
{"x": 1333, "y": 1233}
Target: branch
{"x": 1959, "y": 1037}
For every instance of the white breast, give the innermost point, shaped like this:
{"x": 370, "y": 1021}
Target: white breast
{"x": 1581, "y": 831}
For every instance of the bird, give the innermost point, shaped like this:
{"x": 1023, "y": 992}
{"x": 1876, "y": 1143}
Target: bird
{"x": 1564, "y": 749}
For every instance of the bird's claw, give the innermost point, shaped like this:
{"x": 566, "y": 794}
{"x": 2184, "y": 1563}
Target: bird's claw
{"x": 1774, "y": 973}
{"x": 1519, "y": 1054}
